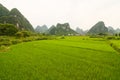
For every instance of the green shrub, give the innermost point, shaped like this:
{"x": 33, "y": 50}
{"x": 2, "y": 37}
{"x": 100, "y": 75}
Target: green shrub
{"x": 110, "y": 37}
{"x": 62, "y": 37}
{"x": 23, "y": 34}
{"x": 16, "y": 41}
{"x": 96, "y": 36}
{"x": 6, "y": 43}
{"x": 111, "y": 44}
{"x": 26, "y": 33}
{"x": 19, "y": 34}
{"x": 8, "y": 29}
{"x": 4, "y": 48}
{"x": 118, "y": 38}
{"x": 27, "y": 40}
{"x": 4, "y": 39}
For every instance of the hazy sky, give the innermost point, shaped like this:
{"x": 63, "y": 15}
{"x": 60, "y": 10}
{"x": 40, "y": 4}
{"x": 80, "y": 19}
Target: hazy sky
{"x": 79, "y": 13}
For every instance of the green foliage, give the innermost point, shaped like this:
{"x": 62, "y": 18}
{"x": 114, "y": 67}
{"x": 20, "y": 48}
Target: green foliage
{"x": 4, "y": 48}
{"x": 8, "y": 29}
{"x": 8, "y": 19}
{"x": 117, "y": 34}
{"x": 23, "y": 34}
{"x": 110, "y": 37}
{"x": 19, "y": 34}
{"x": 16, "y": 41}
{"x": 62, "y": 37}
{"x": 96, "y": 36}
{"x": 113, "y": 37}
{"x": 5, "y": 41}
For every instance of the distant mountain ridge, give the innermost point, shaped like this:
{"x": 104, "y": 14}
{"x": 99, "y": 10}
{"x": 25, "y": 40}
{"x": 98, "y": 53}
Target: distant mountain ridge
{"x": 61, "y": 29}
{"x": 117, "y": 30}
{"x": 14, "y": 17}
{"x": 41, "y": 29}
{"x": 98, "y": 28}
{"x": 80, "y": 31}
{"x": 113, "y": 31}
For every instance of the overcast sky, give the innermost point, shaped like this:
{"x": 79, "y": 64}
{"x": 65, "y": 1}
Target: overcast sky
{"x": 79, "y": 13}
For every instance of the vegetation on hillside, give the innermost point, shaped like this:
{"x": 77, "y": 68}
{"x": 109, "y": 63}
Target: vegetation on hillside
{"x": 3, "y": 11}
{"x": 7, "y": 30}
{"x": 14, "y": 17}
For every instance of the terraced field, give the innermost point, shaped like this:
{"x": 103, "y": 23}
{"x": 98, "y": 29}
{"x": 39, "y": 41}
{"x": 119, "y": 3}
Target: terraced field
{"x": 72, "y": 58}
{"x": 116, "y": 42}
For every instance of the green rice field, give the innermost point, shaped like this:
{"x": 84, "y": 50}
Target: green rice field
{"x": 72, "y": 58}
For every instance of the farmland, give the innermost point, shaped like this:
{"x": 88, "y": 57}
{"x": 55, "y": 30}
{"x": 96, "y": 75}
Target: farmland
{"x": 72, "y": 58}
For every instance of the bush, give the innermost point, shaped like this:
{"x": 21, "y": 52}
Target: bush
{"x": 111, "y": 44}
{"x": 27, "y": 40}
{"x": 6, "y": 43}
{"x": 118, "y": 38}
{"x": 62, "y": 37}
{"x": 96, "y": 36}
{"x": 110, "y": 37}
{"x": 26, "y": 33}
{"x": 16, "y": 41}
{"x": 8, "y": 29}
{"x": 23, "y": 34}
{"x": 41, "y": 38}
{"x": 4, "y": 39}
{"x": 19, "y": 34}
{"x": 4, "y": 48}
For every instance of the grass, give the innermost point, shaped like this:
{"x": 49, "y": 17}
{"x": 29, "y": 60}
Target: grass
{"x": 72, "y": 58}
{"x": 115, "y": 44}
